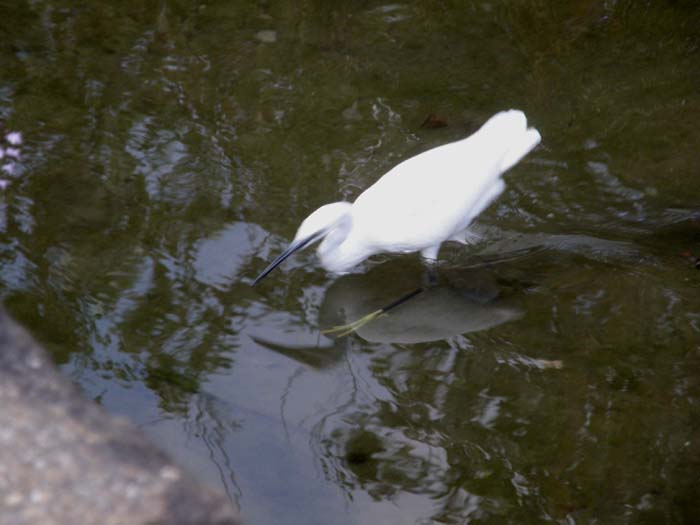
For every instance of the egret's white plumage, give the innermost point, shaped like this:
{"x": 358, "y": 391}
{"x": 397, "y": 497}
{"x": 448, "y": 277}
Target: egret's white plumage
{"x": 420, "y": 203}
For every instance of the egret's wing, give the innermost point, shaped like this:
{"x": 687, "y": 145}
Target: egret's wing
{"x": 428, "y": 198}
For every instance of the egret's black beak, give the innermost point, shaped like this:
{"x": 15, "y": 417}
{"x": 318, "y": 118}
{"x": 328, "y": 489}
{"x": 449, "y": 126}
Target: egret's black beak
{"x": 294, "y": 247}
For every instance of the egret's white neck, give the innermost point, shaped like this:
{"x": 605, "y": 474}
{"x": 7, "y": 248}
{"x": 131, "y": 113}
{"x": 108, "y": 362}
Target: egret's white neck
{"x": 344, "y": 246}
{"x": 332, "y": 223}
{"x": 339, "y": 251}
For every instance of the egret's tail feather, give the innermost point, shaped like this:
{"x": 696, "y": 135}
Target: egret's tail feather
{"x": 506, "y": 134}
{"x": 506, "y": 125}
{"x": 520, "y": 147}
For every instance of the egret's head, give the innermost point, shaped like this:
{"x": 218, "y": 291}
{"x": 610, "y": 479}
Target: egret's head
{"x": 322, "y": 221}
{"x": 316, "y": 226}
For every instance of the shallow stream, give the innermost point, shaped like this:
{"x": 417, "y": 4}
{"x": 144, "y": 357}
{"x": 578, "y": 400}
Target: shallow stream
{"x": 171, "y": 150}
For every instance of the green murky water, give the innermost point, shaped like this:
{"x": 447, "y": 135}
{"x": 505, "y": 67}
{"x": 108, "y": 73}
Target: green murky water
{"x": 171, "y": 150}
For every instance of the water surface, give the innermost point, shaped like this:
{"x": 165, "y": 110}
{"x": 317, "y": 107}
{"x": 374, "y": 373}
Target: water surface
{"x": 171, "y": 150}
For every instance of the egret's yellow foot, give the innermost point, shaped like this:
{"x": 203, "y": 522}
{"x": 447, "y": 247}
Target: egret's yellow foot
{"x": 346, "y": 329}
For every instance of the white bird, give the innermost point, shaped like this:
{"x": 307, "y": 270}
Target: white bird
{"x": 420, "y": 203}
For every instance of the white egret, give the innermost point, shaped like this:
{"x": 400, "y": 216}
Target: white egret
{"x": 420, "y": 203}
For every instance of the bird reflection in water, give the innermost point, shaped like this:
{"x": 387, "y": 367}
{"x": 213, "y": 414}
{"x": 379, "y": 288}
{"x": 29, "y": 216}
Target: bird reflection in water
{"x": 463, "y": 301}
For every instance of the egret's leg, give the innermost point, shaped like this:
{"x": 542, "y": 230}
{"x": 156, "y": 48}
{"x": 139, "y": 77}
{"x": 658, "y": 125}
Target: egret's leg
{"x": 346, "y": 329}
{"x": 430, "y": 276}
{"x": 430, "y": 257}
{"x": 430, "y": 254}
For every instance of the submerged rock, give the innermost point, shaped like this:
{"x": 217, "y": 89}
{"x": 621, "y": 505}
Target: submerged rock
{"x": 64, "y": 460}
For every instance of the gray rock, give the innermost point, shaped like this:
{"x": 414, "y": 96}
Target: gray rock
{"x": 63, "y": 460}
